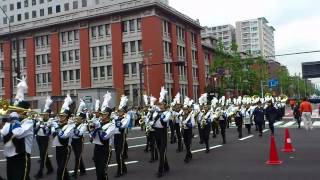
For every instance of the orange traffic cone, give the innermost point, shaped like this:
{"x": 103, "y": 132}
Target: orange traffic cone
{"x": 273, "y": 157}
{"x": 287, "y": 143}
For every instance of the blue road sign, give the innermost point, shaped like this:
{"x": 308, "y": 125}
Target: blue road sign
{"x": 273, "y": 83}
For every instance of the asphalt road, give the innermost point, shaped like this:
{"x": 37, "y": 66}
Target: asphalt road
{"x": 237, "y": 160}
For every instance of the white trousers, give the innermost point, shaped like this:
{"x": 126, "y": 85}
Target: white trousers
{"x": 307, "y": 121}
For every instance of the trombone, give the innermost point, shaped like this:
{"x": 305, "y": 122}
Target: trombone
{"x": 5, "y": 108}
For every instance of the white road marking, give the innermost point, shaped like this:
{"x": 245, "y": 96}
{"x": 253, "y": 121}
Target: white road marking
{"x": 34, "y": 157}
{"x": 199, "y": 150}
{"x": 246, "y": 138}
{"x": 278, "y": 123}
{"x": 265, "y": 130}
{"x": 316, "y": 123}
{"x": 139, "y": 137}
{"x": 110, "y": 165}
{"x": 290, "y": 123}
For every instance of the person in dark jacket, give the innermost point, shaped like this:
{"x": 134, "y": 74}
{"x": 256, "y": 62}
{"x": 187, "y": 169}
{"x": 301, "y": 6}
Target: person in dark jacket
{"x": 297, "y": 114}
{"x": 258, "y": 115}
{"x": 271, "y": 115}
{"x": 239, "y": 122}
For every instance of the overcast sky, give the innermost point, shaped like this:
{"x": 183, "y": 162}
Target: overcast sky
{"x": 297, "y": 22}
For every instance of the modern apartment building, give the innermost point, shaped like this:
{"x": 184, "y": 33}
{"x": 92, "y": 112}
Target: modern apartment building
{"x": 64, "y": 46}
{"x": 225, "y": 34}
{"x": 256, "y": 37}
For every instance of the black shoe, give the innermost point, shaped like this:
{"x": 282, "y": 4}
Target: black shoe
{"x": 166, "y": 169}
{"x": 146, "y": 150}
{"x": 83, "y": 173}
{"x": 224, "y": 142}
{"x": 50, "y": 171}
{"x": 125, "y": 156}
{"x": 37, "y": 176}
{"x": 186, "y": 160}
{"x": 159, "y": 174}
{"x": 260, "y": 134}
{"x": 214, "y": 136}
{"x": 207, "y": 151}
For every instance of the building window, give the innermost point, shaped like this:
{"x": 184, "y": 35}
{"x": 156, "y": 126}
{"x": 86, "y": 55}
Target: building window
{"x": 64, "y": 57}
{"x": 100, "y": 30}
{"x": 101, "y": 51}
{"x": 38, "y": 79}
{"x": 18, "y": 5}
{"x": 41, "y": 1}
{"x": 139, "y": 24}
{"x": 65, "y": 76}
{"x": 132, "y": 25}
{"x": 34, "y": 14}
{"x": 41, "y": 12}
{"x": 125, "y": 26}
{"x": 108, "y": 29}
{"x": 75, "y": 4}
{"x": 49, "y": 58}
{"x": 84, "y": 3}
{"x": 76, "y": 35}
{"x": 70, "y": 56}
{"x": 49, "y": 77}
{"x": 26, "y": 3}
{"x": 11, "y": 7}
{"x": 19, "y": 17}
{"x": 71, "y": 77}
{"x": 77, "y": 55}
{"x": 132, "y": 46}
{"x": 109, "y": 50}
{"x": 126, "y": 69}
{"x": 134, "y": 68}
{"x": 34, "y": 2}
{"x": 11, "y": 19}
{"x": 58, "y": 9}
{"x": 63, "y": 37}
{"x": 66, "y": 7}
{"x": 93, "y": 31}
{"x": 95, "y": 73}
{"x": 70, "y": 35}
{"x": 43, "y": 58}
{"x": 49, "y": 10}
{"x": 102, "y": 72}
{"x": 109, "y": 71}
{"x": 44, "y": 78}
{"x": 5, "y": 20}
{"x": 94, "y": 52}
{"x": 38, "y": 60}
{"x": 78, "y": 74}
{"x": 26, "y": 15}
{"x": 125, "y": 47}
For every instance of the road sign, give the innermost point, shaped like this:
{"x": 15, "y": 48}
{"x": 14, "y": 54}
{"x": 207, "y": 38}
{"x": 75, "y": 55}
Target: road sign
{"x": 273, "y": 83}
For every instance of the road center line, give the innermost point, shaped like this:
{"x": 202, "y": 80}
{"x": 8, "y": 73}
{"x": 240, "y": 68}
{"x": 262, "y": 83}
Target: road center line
{"x": 246, "y": 138}
{"x": 110, "y": 165}
{"x": 199, "y": 150}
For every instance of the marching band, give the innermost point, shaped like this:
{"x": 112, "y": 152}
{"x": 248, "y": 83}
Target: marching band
{"x": 107, "y": 127}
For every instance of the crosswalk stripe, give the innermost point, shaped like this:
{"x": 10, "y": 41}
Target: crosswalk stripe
{"x": 278, "y": 123}
{"x": 290, "y": 123}
{"x": 316, "y": 123}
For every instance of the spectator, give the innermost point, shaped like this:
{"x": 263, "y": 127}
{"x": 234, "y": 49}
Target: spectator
{"x": 306, "y": 112}
{"x": 297, "y": 114}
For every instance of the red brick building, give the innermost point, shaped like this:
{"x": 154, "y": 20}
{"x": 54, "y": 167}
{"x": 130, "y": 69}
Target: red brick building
{"x": 102, "y": 46}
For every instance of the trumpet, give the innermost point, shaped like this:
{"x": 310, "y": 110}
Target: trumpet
{"x": 5, "y": 106}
